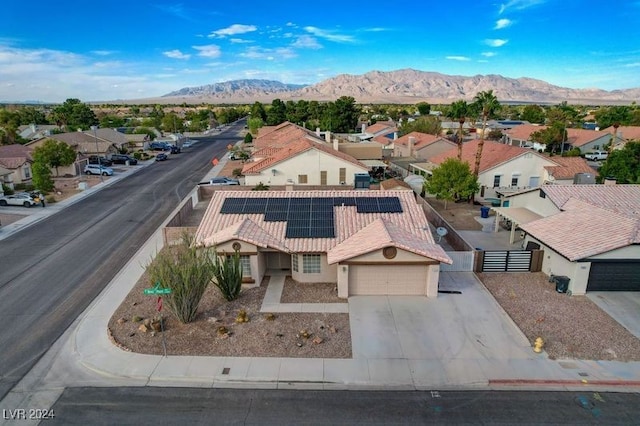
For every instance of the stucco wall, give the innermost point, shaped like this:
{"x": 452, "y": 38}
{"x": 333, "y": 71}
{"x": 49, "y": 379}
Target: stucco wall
{"x": 363, "y": 150}
{"x": 328, "y": 273}
{"x": 377, "y": 256}
{"x": 532, "y": 201}
{"x": 309, "y": 163}
{"x": 554, "y": 263}
{"x": 526, "y": 166}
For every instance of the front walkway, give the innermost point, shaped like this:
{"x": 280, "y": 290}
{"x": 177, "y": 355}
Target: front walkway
{"x": 271, "y": 301}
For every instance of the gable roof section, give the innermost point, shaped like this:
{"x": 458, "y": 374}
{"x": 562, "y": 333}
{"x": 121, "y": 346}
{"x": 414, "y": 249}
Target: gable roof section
{"x": 294, "y": 148}
{"x": 568, "y": 167}
{"x": 281, "y": 135}
{"x": 409, "y": 228}
{"x": 620, "y": 230}
{"x": 523, "y": 132}
{"x": 581, "y": 137}
{"x": 421, "y": 140}
{"x": 493, "y": 154}
{"x": 619, "y": 199}
{"x": 394, "y": 183}
{"x": 14, "y": 156}
{"x": 384, "y": 233}
{"x": 626, "y": 132}
{"x": 80, "y": 141}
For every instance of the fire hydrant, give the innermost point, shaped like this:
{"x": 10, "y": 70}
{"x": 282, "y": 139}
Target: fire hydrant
{"x": 538, "y": 344}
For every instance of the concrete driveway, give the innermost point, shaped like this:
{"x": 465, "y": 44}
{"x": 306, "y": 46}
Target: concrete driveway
{"x": 622, "y": 306}
{"x": 465, "y": 326}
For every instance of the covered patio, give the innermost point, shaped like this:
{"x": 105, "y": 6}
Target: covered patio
{"x": 514, "y": 216}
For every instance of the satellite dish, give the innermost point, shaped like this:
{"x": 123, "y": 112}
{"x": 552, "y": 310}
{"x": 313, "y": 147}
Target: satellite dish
{"x": 441, "y": 231}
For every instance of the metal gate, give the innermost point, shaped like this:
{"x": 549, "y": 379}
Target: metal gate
{"x": 506, "y": 261}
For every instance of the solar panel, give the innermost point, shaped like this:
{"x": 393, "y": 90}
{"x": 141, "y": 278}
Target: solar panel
{"x": 300, "y": 201}
{"x": 389, "y": 205}
{"x": 255, "y": 205}
{"x": 294, "y": 232}
{"x": 275, "y": 216}
{"x": 367, "y": 205}
{"x": 280, "y": 204}
{"x": 324, "y": 232}
{"x": 347, "y": 201}
{"x": 232, "y": 205}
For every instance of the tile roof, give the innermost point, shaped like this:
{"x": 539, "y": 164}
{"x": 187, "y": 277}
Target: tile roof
{"x": 523, "y": 132}
{"x": 408, "y": 230}
{"x": 626, "y": 132}
{"x": 394, "y": 183}
{"x": 421, "y": 139}
{"x": 611, "y": 231}
{"x": 292, "y": 149}
{"x": 619, "y": 199}
{"x": 568, "y": 167}
{"x": 14, "y": 156}
{"x": 493, "y": 154}
{"x": 580, "y": 137}
{"x": 281, "y": 135}
{"x": 82, "y": 142}
{"x": 383, "y": 127}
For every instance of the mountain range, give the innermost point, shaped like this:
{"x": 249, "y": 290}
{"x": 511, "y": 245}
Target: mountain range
{"x": 402, "y": 86}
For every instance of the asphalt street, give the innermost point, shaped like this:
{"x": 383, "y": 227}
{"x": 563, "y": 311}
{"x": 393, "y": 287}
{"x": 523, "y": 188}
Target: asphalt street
{"x": 52, "y": 270}
{"x": 148, "y": 405}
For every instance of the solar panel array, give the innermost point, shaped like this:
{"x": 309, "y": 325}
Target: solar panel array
{"x": 308, "y": 217}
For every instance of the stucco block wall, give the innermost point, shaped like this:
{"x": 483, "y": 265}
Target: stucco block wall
{"x": 525, "y": 166}
{"x": 578, "y": 272}
{"x": 362, "y": 151}
{"x": 328, "y": 273}
{"x": 532, "y": 201}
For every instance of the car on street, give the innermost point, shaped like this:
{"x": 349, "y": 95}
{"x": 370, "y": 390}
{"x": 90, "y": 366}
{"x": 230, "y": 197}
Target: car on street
{"x": 19, "y": 199}
{"x": 187, "y": 143}
{"x": 97, "y": 169}
{"x": 221, "y": 181}
{"x": 162, "y": 157}
{"x": 95, "y": 159}
{"x": 123, "y": 159}
{"x": 596, "y": 155}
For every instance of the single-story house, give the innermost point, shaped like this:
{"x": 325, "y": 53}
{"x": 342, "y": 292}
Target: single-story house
{"x": 280, "y": 135}
{"x": 386, "y": 129}
{"x": 503, "y": 168}
{"x": 36, "y": 131}
{"x": 584, "y": 139}
{"x": 17, "y": 159}
{"x": 421, "y": 146}
{"x": 589, "y": 233}
{"x": 521, "y": 136}
{"x": 361, "y": 240}
{"x": 569, "y": 170}
{"x": 624, "y": 134}
{"x": 303, "y": 161}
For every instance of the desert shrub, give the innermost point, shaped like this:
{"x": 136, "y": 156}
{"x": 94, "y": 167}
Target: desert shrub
{"x": 227, "y": 271}
{"x": 260, "y": 187}
{"x": 237, "y": 172}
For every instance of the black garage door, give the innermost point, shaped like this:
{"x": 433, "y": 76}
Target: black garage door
{"x": 614, "y": 276}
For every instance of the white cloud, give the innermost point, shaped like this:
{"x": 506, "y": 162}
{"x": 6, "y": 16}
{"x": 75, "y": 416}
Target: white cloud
{"x": 328, "y": 35}
{"x": 306, "y": 42}
{"x": 103, "y": 52}
{"x": 233, "y": 30}
{"x": 208, "y": 51}
{"x": 495, "y": 42}
{"x": 489, "y": 54}
{"x": 255, "y": 52}
{"x": 457, "y": 58}
{"x": 176, "y": 54}
{"x": 633, "y": 65}
{"x": 239, "y": 40}
{"x": 519, "y": 4}
{"x": 502, "y": 23}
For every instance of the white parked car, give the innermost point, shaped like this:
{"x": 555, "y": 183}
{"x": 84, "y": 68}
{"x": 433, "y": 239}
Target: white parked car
{"x": 97, "y": 169}
{"x": 19, "y": 199}
{"x": 596, "y": 155}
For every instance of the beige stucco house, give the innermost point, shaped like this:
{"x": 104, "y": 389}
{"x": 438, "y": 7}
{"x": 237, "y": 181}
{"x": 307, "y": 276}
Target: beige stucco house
{"x": 589, "y": 233}
{"x": 360, "y": 240}
{"x": 17, "y": 160}
{"x": 421, "y": 146}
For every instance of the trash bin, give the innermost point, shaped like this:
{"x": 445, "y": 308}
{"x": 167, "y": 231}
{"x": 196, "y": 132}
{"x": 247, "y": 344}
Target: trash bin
{"x": 484, "y": 212}
{"x": 562, "y": 283}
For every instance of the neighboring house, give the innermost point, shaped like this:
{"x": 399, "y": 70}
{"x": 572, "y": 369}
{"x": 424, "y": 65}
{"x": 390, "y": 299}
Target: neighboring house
{"x": 521, "y": 136}
{"x": 386, "y": 129}
{"x": 421, "y": 146}
{"x": 589, "y": 233}
{"x": 304, "y": 161}
{"x": 585, "y": 140}
{"x": 367, "y": 150}
{"x": 504, "y": 125}
{"x": 624, "y": 134}
{"x": 567, "y": 170}
{"x": 17, "y": 159}
{"x": 394, "y": 184}
{"x": 280, "y": 135}
{"x": 36, "y": 131}
{"x": 503, "y": 168}
{"x": 5, "y": 178}
{"x": 361, "y": 240}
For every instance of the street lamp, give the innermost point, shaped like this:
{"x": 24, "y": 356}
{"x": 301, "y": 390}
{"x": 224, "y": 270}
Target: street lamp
{"x": 97, "y": 152}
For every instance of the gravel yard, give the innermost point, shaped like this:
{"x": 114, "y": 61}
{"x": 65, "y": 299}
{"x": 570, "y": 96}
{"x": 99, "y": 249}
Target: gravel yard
{"x": 295, "y": 292}
{"x": 571, "y": 326}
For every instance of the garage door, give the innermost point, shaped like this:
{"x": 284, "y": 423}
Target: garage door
{"x": 614, "y": 276}
{"x": 373, "y": 280}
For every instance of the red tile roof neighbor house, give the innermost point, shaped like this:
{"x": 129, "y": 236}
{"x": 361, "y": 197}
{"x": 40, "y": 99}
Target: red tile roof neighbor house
{"x": 14, "y": 156}
{"x": 626, "y": 132}
{"x": 568, "y": 167}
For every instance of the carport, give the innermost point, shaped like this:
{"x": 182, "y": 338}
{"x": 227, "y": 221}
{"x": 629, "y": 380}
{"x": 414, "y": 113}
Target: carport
{"x": 516, "y": 215}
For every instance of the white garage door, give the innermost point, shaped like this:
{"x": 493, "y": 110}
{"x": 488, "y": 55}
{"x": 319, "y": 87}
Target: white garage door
{"x": 374, "y": 280}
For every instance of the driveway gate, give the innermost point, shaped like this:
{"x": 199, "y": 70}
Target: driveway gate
{"x": 506, "y": 261}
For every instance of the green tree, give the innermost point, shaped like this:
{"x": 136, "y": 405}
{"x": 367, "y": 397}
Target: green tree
{"x": 54, "y": 154}
{"x": 248, "y": 138}
{"x": 552, "y": 136}
{"x": 533, "y": 114}
{"x": 254, "y": 123}
{"x": 187, "y": 270}
{"x": 608, "y": 116}
{"x": 341, "y": 116}
{"x": 428, "y": 124}
{"x": 41, "y": 176}
{"x": 172, "y": 123}
{"x": 73, "y": 114}
{"x": 424, "y": 108}
{"x": 258, "y": 111}
{"x": 459, "y": 111}
{"x": 277, "y": 113}
{"x": 451, "y": 181}
{"x": 623, "y": 164}
{"x": 487, "y": 104}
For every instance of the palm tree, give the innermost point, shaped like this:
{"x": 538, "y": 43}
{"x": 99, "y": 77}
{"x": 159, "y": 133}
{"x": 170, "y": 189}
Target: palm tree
{"x": 487, "y": 104}
{"x": 459, "y": 111}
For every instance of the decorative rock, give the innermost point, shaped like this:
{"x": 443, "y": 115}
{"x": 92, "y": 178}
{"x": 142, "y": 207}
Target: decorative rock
{"x": 134, "y": 304}
{"x": 317, "y": 340}
{"x": 156, "y": 325}
{"x": 143, "y": 328}
{"x": 147, "y": 322}
{"x": 212, "y": 319}
{"x": 270, "y": 317}
{"x": 132, "y": 334}
{"x": 333, "y": 329}
{"x": 136, "y": 318}
{"x": 305, "y": 334}
{"x": 121, "y": 321}
{"x": 299, "y": 345}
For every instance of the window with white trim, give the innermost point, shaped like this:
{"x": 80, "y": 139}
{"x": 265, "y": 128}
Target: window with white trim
{"x": 294, "y": 262}
{"x": 245, "y": 261}
{"x": 311, "y": 263}
{"x": 496, "y": 181}
{"x": 514, "y": 180}
{"x": 27, "y": 172}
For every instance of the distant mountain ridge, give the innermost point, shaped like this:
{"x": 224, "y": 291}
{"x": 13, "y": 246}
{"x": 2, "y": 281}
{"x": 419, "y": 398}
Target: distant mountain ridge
{"x": 403, "y": 86}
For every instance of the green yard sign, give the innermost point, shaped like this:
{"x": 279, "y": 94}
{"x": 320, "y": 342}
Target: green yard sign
{"x": 157, "y": 290}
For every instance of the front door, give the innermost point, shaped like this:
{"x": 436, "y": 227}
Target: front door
{"x": 278, "y": 261}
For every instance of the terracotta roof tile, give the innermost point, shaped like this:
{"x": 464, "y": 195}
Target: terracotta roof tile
{"x": 493, "y": 154}
{"x": 581, "y": 137}
{"x": 568, "y": 167}
{"x": 421, "y": 139}
{"x": 409, "y": 229}
{"x": 626, "y": 132}
{"x": 619, "y": 199}
{"x": 394, "y": 183}
{"x": 14, "y": 156}
{"x": 523, "y": 131}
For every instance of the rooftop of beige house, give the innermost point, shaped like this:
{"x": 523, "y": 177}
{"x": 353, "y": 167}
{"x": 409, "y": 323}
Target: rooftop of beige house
{"x": 620, "y": 199}
{"x": 14, "y": 156}
{"x": 493, "y": 154}
{"x": 407, "y": 229}
{"x": 581, "y": 137}
{"x": 382, "y": 127}
{"x": 421, "y": 139}
{"x": 279, "y": 135}
{"x": 568, "y": 167}
{"x": 523, "y": 132}
{"x": 394, "y": 183}
{"x": 626, "y": 132}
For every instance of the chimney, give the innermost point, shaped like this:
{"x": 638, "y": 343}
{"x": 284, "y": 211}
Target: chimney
{"x": 364, "y": 127}
{"x": 327, "y": 136}
{"x": 336, "y": 143}
{"x": 318, "y": 131}
{"x": 410, "y": 144}
{"x": 610, "y": 181}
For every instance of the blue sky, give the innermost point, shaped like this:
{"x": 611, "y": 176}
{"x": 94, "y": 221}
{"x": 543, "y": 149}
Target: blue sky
{"x": 114, "y": 49}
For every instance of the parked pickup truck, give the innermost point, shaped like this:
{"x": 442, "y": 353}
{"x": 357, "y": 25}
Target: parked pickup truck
{"x": 596, "y": 155}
